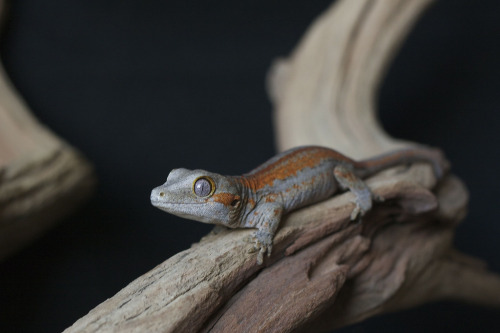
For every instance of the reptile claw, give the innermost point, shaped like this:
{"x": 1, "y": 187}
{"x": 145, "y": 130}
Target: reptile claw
{"x": 252, "y": 250}
{"x": 355, "y": 213}
{"x": 263, "y": 242}
{"x": 260, "y": 257}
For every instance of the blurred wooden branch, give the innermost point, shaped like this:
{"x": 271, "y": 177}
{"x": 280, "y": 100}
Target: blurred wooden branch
{"x": 325, "y": 93}
{"x": 41, "y": 177}
{"x": 325, "y": 272}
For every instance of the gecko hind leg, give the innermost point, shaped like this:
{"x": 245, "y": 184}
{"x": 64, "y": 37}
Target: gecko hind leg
{"x": 363, "y": 195}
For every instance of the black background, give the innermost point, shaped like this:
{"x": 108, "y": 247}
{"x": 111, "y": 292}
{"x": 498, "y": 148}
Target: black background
{"x": 142, "y": 86}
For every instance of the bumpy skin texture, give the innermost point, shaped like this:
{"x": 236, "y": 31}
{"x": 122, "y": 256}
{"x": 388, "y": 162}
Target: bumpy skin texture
{"x": 290, "y": 180}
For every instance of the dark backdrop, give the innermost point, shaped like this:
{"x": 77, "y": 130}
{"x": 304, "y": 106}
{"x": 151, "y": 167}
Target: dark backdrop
{"x": 141, "y": 87}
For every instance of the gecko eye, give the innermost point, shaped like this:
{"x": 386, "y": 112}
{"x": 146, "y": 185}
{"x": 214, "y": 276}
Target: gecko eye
{"x": 203, "y": 186}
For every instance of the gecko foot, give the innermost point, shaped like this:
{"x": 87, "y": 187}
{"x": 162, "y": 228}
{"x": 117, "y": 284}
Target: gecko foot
{"x": 263, "y": 242}
{"x": 355, "y": 214}
{"x": 362, "y": 206}
{"x": 364, "y": 202}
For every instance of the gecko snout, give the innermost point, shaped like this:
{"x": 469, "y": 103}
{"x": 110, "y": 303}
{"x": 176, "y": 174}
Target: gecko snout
{"x": 157, "y": 194}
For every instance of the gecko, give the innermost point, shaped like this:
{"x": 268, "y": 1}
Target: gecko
{"x": 290, "y": 180}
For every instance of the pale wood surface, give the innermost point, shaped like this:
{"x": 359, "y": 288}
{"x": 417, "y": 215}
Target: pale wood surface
{"x": 325, "y": 92}
{"x": 325, "y": 271}
{"x": 42, "y": 178}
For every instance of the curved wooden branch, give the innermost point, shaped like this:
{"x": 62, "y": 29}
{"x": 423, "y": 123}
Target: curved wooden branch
{"x": 324, "y": 93}
{"x": 398, "y": 257}
{"x": 325, "y": 272}
{"x": 41, "y": 177}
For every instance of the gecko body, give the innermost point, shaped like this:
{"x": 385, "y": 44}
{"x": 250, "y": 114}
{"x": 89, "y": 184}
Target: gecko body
{"x": 295, "y": 178}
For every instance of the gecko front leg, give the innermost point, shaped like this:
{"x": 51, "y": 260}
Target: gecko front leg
{"x": 363, "y": 195}
{"x": 268, "y": 219}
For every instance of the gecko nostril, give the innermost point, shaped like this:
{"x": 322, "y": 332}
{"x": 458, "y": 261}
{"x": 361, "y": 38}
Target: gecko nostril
{"x": 162, "y": 194}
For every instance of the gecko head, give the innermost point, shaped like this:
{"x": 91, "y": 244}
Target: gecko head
{"x": 201, "y": 196}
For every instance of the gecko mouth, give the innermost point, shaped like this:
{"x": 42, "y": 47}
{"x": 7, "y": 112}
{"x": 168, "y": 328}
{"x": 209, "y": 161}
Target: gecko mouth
{"x": 172, "y": 205}
{"x": 190, "y": 211}
{"x": 177, "y": 203}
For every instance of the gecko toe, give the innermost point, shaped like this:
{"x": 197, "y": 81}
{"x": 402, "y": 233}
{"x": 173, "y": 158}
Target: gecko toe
{"x": 260, "y": 256}
{"x": 269, "y": 250}
{"x": 253, "y": 249}
{"x": 355, "y": 213}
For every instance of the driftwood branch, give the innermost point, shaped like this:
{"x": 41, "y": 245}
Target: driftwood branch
{"x": 41, "y": 177}
{"x": 325, "y": 271}
{"x": 324, "y": 93}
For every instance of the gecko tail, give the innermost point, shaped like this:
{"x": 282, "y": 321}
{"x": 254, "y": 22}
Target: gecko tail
{"x": 434, "y": 156}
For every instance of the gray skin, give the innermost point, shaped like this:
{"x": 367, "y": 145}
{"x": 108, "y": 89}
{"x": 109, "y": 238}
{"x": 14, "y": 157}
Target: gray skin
{"x": 249, "y": 202}
{"x": 177, "y": 197}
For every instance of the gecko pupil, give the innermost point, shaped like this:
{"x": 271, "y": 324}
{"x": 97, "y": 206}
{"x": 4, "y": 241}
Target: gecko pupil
{"x": 202, "y": 187}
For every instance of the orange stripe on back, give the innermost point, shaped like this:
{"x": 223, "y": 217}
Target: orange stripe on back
{"x": 290, "y": 163}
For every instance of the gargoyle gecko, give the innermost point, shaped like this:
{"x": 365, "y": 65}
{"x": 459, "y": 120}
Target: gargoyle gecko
{"x": 295, "y": 178}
